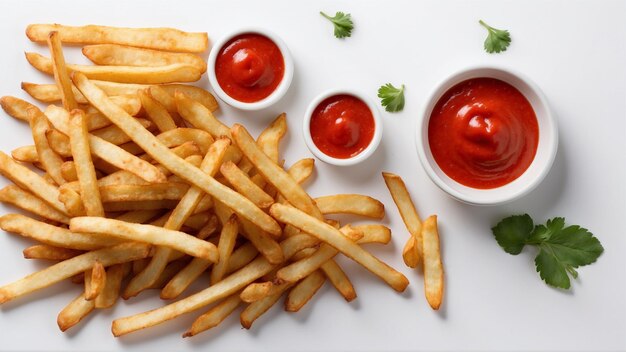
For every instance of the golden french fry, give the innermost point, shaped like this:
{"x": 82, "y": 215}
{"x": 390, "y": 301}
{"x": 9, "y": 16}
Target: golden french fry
{"x": 253, "y": 311}
{"x": 242, "y": 184}
{"x": 140, "y": 205}
{"x": 405, "y": 205}
{"x": 165, "y": 157}
{"x": 184, "y": 278}
{"x": 356, "y": 204}
{"x": 95, "y": 280}
{"x": 304, "y": 291}
{"x": 27, "y": 201}
{"x": 72, "y": 201}
{"x": 146, "y": 233}
{"x": 79, "y": 141}
{"x": 433, "y": 268}
{"x": 53, "y": 235}
{"x": 120, "y": 55}
{"x": 50, "y": 93}
{"x": 68, "y": 171}
{"x": 114, "y": 276}
{"x": 374, "y": 233}
{"x": 61, "y": 76}
{"x": 47, "y": 252}
{"x": 270, "y": 137}
{"x": 273, "y": 173}
{"x": 214, "y": 316}
{"x": 68, "y": 268}
{"x": 339, "y": 279}
{"x": 409, "y": 253}
{"x": 123, "y": 74}
{"x": 225, "y": 247}
{"x": 332, "y": 236}
{"x": 155, "y": 191}
{"x": 156, "y": 112}
{"x": 16, "y": 107}
{"x": 170, "y": 270}
{"x": 27, "y": 179}
{"x": 241, "y": 257}
{"x": 167, "y": 39}
{"x": 46, "y": 156}
{"x": 179, "y": 136}
{"x": 74, "y": 312}
{"x": 256, "y": 291}
{"x": 26, "y": 154}
{"x": 208, "y": 229}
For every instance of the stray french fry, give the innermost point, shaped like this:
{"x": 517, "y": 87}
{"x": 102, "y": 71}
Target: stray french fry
{"x": 433, "y": 269}
{"x": 95, "y": 280}
{"x": 214, "y": 316}
{"x": 74, "y": 312}
{"x": 356, "y": 204}
{"x": 304, "y": 291}
{"x": 120, "y": 55}
{"x": 60, "y": 73}
{"x": 27, "y": 201}
{"x": 47, "y": 252}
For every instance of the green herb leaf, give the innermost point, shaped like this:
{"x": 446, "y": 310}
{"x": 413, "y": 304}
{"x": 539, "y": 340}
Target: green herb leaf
{"x": 561, "y": 249}
{"x": 498, "y": 40}
{"x": 511, "y": 233}
{"x": 342, "y": 22}
{"x": 392, "y": 98}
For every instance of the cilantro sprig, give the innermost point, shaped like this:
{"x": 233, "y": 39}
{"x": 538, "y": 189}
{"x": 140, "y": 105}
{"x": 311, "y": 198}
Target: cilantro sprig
{"x": 561, "y": 249}
{"x": 392, "y": 98}
{"x": 498, "y": 40}
{"x": 342, "y": 22}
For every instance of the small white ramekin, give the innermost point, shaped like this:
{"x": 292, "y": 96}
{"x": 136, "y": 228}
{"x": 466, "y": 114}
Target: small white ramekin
{"x": 276, "y": 95}
{"x": 367, "y": 152}
{"x": 538, "y": 169}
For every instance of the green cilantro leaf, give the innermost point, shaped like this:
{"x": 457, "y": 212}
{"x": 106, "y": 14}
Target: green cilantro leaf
{"x": 392, "y": 98}
{"x": 561, "y": 249}
{"x": 342, "y": 22}
{"x": 498, "y": 40}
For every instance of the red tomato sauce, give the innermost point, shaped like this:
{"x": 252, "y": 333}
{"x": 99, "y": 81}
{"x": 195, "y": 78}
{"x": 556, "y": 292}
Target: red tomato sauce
{"x": 483, "y": 133}
{"x": 342, "y": 126}
{"x": 249, "y": 67}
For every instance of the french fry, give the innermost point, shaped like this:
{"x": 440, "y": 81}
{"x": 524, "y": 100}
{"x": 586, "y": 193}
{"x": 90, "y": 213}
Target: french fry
{"x": 225, "y": 247}
{"x": 433, "y": 268}
{"x": 242, "y": 184}
{"x": 140, "y": 205}
{"x": 156, "y": 112}
{"x": 339, "y": 279}
{"x": 170, "y": 270}
{"x": 46, "y": 156}
{"x": 256, "y": 291}
{"x": 47, "y": 252}
{"x": 405, "y": 205}
{"x": 301, "y": 293}
{"x": 27, "y": 201}
{"x": 26, "y": 154}
{"x": 167, "y": 39}
{"x": 332, "y": 236}
{"x": 120, "y": 55}
{"x": 50, "y": 93}
{"x": 16, "y": 107}
{"x": 253, "y": 311}
{"x": 179, "y": 136}
{"x": 95, "y": 280}
{"x": 241, "y": 257}
{"x": 214, "y": 316}
{"x": 111, "y": 290}
{"x": 59, "y": 70}
{"x": 79, "y": 141}
{"x": 123, "y": 74}
{"x": 185, "y": 277}
{"x": 68, "y": 268}
{"x": 72, "y": 201}
{"x": 373, "y": 233}
{"x": 68, "y": 171}
{"x": 74, "y": 312}
{"x": 270, "y": 137}
{"x": 155, "y": 191}
{"x": 29, "y": 180}
{"x": 356, "y": 204}
{"x": 146, "y": 233}
{"x": 164, "y": 156}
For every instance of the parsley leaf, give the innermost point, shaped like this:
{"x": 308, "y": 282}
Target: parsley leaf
{"x": 498, "y": 40}
{"x": 392, "y": 98}
{"x": 342, "y": 22}
{"x": 561, "y": 249}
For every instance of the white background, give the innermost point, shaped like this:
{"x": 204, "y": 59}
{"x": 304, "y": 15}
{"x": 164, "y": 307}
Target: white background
{"x": 574, "y": 50}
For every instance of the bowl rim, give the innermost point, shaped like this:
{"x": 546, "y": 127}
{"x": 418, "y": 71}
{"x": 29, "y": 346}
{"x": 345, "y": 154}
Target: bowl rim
{"x": 367, "y": 152}
{"x": 499, "y": 195}
{"x": 271, "y": 99}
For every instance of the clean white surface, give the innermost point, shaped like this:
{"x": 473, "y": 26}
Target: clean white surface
{"x": 574, "y": 50}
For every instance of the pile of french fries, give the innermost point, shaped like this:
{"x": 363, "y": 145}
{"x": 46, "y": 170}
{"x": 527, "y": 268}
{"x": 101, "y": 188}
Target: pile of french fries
{"x": 141, "y": 187}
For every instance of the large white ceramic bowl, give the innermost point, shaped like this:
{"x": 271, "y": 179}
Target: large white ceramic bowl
{"x": 538, "y": 169}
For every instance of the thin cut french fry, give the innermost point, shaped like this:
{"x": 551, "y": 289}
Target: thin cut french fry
{"x": 225, "y": 247}
{"x": 433, "y": 268}
{"x": 242, "y": 184}
{"x": 47, "y": 252}
{"x": 155, "y": 191}
{"x": 50, "y": 160}
{"x": 304, "y": 291}
{"x": 111, "y": 290}
{"x": 60, "y": 73}
{"x": 253, "y": 311}
{"x": 74, "y": 312}
{"x": 156, "y": 112}
{"x": 95, "y": 280}
{"x": 356, "y": 204}
{"x": 27, "y": 201}
{"x": 120, "y": 55}
{"x": 270, "y": 137}
{"x": 214, "y": 316}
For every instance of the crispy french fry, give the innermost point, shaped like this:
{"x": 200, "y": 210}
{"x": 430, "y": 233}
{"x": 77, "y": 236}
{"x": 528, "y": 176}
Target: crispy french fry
{"x": 68, "y": 171}
{"x": 26, "y": 154}
{"x": 46, "y": 156}
{"x": 74, "y": 312}
{"x": 179, "y": 136}
{"x": 72, "y": 201}
{"x": 225, "y": 247}
{"x": 184, "y": 278}
{"x": 241, "y": 257}
{"x": 208, "y": 229}
{"x": 140, "y": 205}
{"x": 433, "y": 268}
{"x": 146, "y": 233}
{"x": 253, "y": 311}
{"x": 332, "y": 236}
{"x": 301, "y": 293}
{"x": 123, "y": 74}
{"x": 16, "y": 107}
{"x": 120, "y": 55}
{"x": 374, "y": 233}
{"x": 50, "y": 93}
{"x": 79, "y": 141}
{"x": 95, "y": 280}
{"x": 167, "y": 39}
{"x": 27, "y": 201}
{"x": 214, "y": 316}
{"x": 111, "y": 290}
{"x": 256, "y": 291}
{"x": 47, "y": 252}
{"x": 270, "y": 137}
{"x": 68, "y": 268}
{"x": 155, "y": 191}
{"x": 61, "y": 77}
{"x": 356, "y": 204}
{"x": 405, "y": 205}
{"x": 27, "y": 179}
{"x": 157, "y": 113}
{"x": 164, "y": 156}
{"x": 339, "y": 279}
{"x": 242, "y": 183}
